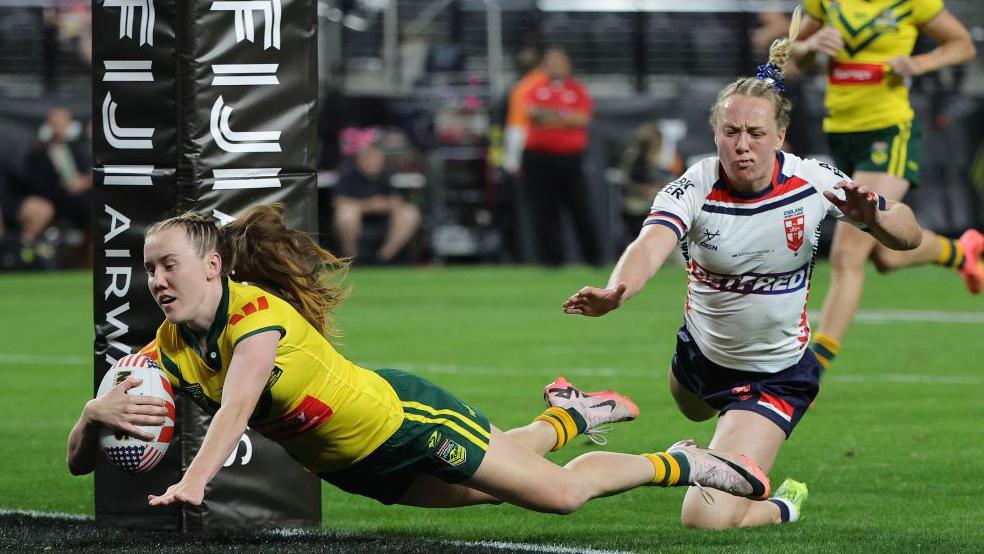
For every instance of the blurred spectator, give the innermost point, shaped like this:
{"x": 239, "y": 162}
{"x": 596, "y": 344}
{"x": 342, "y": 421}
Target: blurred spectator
{"x": 517, "y": 118}
{"x": 559, "y": 109}
{"x": 364, "y": 190}
{"x": 646, "y": 169}
{"x": 60, "y": 171}
{"x": 22, "y": 219}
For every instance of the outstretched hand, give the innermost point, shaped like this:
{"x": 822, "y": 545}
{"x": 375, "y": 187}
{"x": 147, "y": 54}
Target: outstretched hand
{"x": 859, "y": 203}
{"x": 594, "y": 302}
{"x": 126, "y": 413}
{"x": 184, "y": 491}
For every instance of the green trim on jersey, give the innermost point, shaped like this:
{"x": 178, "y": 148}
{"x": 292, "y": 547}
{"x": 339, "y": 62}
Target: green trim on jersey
{"x": 212, "y": 355}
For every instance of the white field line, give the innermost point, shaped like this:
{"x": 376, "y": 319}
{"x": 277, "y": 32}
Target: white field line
{"x": 47, "y": 515}
{"x": 881, "y": 317}
{"x": 291, "y": 532}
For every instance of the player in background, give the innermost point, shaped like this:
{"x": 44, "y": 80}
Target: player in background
{"x": 874, "y": 136}
{"x": 747, "y": 222}
{"x": 258, "y": 354}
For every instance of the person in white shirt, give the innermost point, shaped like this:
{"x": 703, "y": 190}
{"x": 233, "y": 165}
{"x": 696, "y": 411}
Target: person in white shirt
{"x": 747, "y": 222}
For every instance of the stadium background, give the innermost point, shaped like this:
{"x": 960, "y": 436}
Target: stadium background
{"x": 890, "y": 452}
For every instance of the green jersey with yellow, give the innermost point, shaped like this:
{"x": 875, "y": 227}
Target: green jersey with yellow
{"x": 863, "y": 93}
{"x": 324, "y": 410}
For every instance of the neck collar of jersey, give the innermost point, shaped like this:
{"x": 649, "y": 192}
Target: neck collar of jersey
{"x": 212, "y": 357}
{"x": 777, "y": 179}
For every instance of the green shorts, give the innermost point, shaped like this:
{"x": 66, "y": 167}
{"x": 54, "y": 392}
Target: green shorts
{"x": 894, "y": 150}
{"x": 440, "y": 436}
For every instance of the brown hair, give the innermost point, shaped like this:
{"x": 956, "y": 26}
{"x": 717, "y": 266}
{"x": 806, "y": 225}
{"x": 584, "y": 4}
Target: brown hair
{"x": 765, "y": 88}
{"x": 259, "y": 248}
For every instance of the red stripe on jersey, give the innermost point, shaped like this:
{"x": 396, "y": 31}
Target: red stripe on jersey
{"x": 777, "y": 403}
{"x": 668, "y": 216}
{"x": 236, "y": 318}
{"x": 261, "y": 303}
{"x": 309, "y": 414}
{"x": 723, "y": 194}
{"x": 249, "y": 308}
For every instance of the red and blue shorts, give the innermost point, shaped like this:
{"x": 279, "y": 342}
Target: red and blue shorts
{"x": 782, "y": 397}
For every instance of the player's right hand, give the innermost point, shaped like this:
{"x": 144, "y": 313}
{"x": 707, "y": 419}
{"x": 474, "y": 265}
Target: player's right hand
{"x": 594, "y": 302}
{"x": 125, "y": 413}
{"x": 827, "y": 40}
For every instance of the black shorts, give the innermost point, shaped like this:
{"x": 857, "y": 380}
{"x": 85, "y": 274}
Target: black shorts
{"x": 782, "y": 397}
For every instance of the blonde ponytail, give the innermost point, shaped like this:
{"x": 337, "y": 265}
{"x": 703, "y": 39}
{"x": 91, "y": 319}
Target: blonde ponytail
{"x": 779, "y": 51}
{"x": 769, "y": 82}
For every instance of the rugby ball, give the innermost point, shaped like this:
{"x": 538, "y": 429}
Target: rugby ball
{"x": 133, "y": 454}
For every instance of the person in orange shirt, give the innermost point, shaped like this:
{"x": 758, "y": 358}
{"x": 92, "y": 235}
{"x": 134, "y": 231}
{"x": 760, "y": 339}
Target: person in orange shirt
{"x": 560, "y": 109}
{"x": 517, "y": 120}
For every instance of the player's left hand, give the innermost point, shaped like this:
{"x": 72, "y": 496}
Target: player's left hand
{"x": 183, "y": 491}
{"x": 906, "y": 66}
{"x": 859, "y": 203}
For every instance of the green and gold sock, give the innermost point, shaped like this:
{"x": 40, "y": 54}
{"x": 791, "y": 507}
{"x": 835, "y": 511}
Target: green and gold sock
{"x": 671, "y": 469}
{"x": 567, "y": 423}
{"x": 951, "y": 253}
{"x": 825, "y": 348}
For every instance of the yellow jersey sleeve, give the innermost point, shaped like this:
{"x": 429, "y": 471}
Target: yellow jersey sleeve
{"x": 814, "y": 9}
{"x": 250, "y": 314}
{"x": 925, "y": 10}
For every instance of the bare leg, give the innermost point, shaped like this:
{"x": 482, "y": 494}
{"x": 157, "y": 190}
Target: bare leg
{"x": 514, "y": 473}
{"x": 35, "y": 214}
{"x": 758, "y": 438}
{"x": 887, "y": 260}
{"x": 848, "y": 254}
{"x": 348, "y": 224}
{"x": 690, "y": 405}
{"x": 404, "y": 221}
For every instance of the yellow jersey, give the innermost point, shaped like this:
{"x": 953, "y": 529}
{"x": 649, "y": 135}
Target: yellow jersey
{"x": 324, "y": 410}
{"x": 862, "y": 92}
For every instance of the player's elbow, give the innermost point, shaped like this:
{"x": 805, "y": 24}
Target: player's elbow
{"x": 970, "y": 51}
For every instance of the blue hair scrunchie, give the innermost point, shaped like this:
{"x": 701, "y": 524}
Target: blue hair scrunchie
{"x": 772, "y": 75}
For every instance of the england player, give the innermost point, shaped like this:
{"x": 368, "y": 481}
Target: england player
{"x": 258, "y": 354}
{"x": 747, "y": 223}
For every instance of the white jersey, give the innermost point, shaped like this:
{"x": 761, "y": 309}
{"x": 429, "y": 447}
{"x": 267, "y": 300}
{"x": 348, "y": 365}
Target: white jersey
{"x": 749, "y": 258}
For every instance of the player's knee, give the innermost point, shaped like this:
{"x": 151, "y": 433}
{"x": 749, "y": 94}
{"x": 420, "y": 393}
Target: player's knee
{"x": 846, "y": 260}
{"x": 568, "y": 504}
{"x": 884, "y": 264}
{"x": 698, "y": 414}
{"x": 704, "y": 516}
{"x": 564, "y": 501}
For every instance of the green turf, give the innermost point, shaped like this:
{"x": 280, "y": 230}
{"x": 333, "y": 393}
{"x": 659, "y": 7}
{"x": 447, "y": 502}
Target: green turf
{"x": 892, "y": 452}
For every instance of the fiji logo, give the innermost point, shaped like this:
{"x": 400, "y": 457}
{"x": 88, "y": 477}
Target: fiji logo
{"x": 250, "y": 309}
{"x": 452, "y": 453}
{"x": 795, "y": 226}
